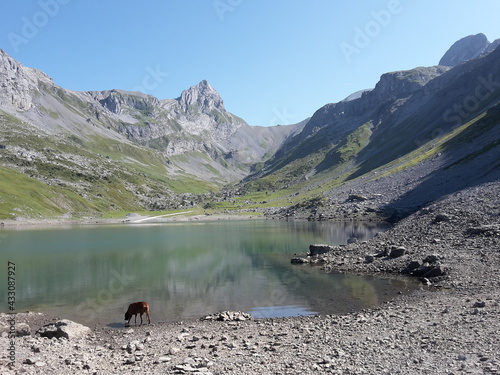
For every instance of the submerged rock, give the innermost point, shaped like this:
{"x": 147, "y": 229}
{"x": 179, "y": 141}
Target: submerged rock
{"x": 298, "y": 260}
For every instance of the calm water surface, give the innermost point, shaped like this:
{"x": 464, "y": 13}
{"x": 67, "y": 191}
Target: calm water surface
{"x": 185, "y": 270}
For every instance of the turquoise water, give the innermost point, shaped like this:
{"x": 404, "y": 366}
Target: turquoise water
{"x": 184, "y": 270}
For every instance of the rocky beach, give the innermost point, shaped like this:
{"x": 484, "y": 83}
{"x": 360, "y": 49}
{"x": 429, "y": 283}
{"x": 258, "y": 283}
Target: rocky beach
{"x": 450, "y": 326}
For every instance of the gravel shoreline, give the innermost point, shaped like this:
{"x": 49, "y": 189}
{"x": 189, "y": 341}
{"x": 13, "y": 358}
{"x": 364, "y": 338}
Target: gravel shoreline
{"x": 451, "y": 326}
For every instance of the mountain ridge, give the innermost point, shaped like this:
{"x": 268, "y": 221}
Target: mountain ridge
{"x": 355, "y": 139}
{"x": 114, "y": 150}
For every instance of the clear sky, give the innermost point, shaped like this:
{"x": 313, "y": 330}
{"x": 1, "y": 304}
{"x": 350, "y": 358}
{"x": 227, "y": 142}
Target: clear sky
{"x": 272, "y": 61}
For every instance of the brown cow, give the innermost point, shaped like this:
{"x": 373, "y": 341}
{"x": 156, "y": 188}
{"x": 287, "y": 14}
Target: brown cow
{"x": 137, "y": 308}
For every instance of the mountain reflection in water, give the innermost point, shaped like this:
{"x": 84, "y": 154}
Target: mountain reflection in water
{"x": 187, "y": 270}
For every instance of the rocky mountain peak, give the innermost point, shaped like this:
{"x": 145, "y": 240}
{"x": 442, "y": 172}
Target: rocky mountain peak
{"x": 18, "y": 83}
{"x": 465, "y": 49}
{"x": 201, "y": 96}
{"x": 402, "y": 83}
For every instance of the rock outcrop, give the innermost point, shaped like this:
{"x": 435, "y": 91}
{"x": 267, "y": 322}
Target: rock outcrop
{"x": 18, "y": 83}
{"x": 465, "y": 49}
{"x": 64, "y": 329}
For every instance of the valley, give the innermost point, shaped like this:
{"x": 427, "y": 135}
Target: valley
{"x": 77, "y": 155}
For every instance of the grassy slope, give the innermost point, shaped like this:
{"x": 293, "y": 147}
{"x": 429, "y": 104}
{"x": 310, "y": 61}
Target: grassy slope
{"x": 91, "y": 176}
{"x": 20, "y": 194}
{"x": 300, "y": 177}
{"x": 266, "y": 192}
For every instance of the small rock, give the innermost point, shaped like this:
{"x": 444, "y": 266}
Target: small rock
{"x": 488, "y": 229}
{"x": 414, "y": 264}
{"x": 352, "y": 240}
{"x": 435, "y": 272}
{"x": 225, "y": 316}
{"x": 173, "y": 351}
{"x": 130, "y": 361}
{"x": 425, "y": 281}
{"x": 298, "y": 260}
{"x": 421, "y": 270}
{"x": 431, "y": 259}
{"x": 23, "y": 329}
{"x": 356, "y": 198}
{"x": 382, "y": 253}
{"x": 439, "y": 218}
{"x": 397, "y": 251}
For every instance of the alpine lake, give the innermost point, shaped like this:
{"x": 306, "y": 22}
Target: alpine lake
{"x": 186, "y": 270}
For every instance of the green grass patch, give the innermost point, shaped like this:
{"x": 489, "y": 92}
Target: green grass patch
{"x": 22, "y": 196}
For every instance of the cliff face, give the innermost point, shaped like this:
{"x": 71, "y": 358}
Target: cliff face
{"x": 335, "y": 120}
{"x": 18, "y": 83}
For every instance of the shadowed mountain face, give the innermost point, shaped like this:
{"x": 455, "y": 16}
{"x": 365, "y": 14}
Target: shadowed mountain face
{"x": 468, "y": 48}
{"x": 113, "y": 150}
{"x": 402, "y": 121}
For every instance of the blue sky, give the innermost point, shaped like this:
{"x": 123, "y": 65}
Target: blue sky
{"x": 273, "y": 62}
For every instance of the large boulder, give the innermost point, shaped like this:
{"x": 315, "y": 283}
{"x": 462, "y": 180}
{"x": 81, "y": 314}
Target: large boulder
{"x": 435, "y": 271}
{"x": 317, "y": 249}
{"x": 64, "y": 329}
{"x": 8, "y": 327}
{"x": 397, "y": 251}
